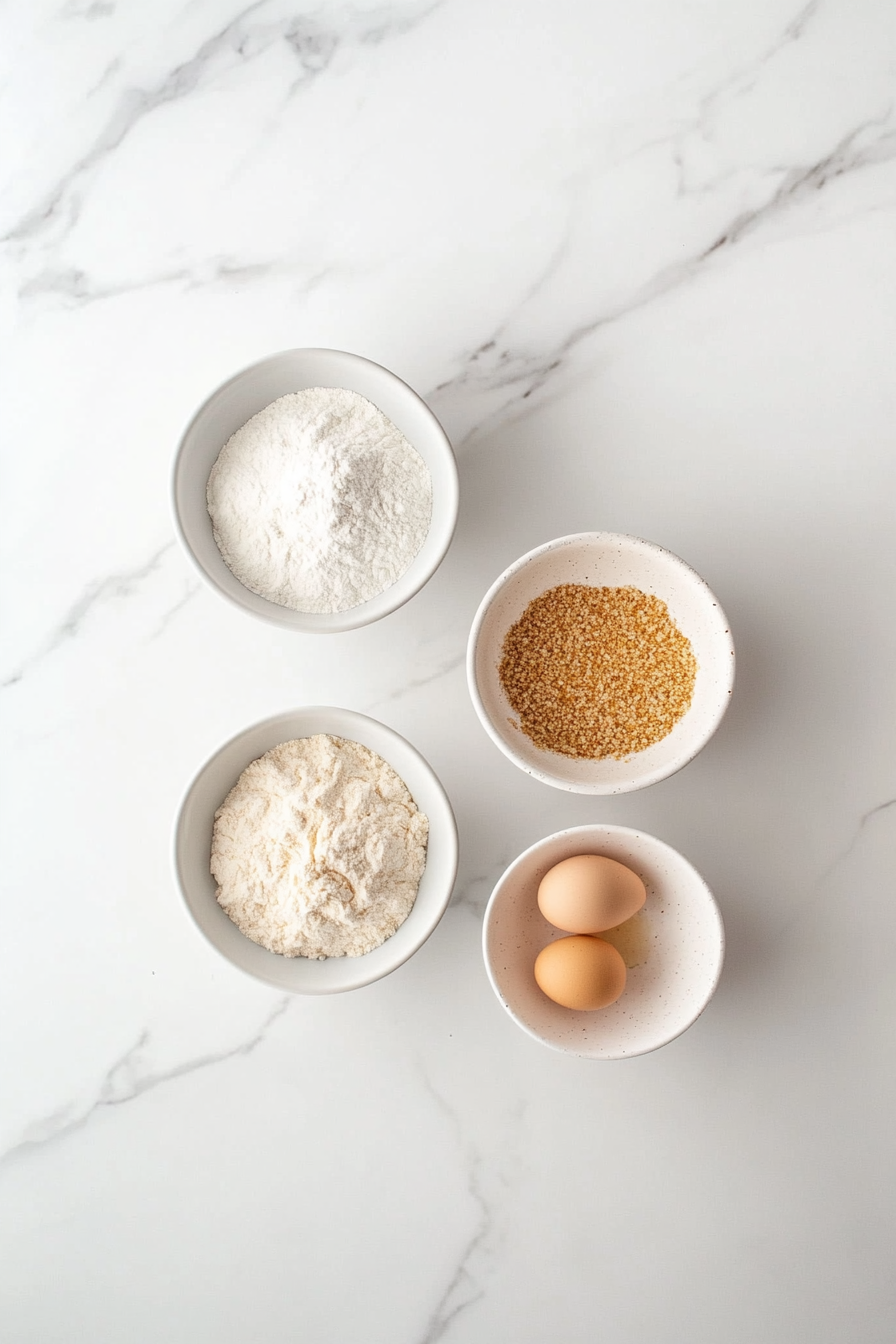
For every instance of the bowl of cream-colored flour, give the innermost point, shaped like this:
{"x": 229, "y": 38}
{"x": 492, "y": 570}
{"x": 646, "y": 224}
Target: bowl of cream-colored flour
{"x": 316, "y": 851}
{"x": 316, "y": 490}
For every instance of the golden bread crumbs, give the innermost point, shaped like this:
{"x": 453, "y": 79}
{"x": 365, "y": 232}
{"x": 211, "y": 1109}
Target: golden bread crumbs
{"x": 597, "y": 672}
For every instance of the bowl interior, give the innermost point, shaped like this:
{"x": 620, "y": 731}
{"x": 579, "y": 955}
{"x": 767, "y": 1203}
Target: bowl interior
{"x": 604, "y": 559}
{"x": 247, "y": 393}
{"x": 683, "y": 947}
{"x": 193, "y": 839}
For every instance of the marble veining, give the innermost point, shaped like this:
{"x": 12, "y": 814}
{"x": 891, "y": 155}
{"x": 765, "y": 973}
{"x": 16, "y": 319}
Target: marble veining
{"x": 827, "y": 889}
{"x": 418, "y": 683}
{"x": 497, "y": 367}
{"x": 864, "y": 820}
{"x": 639, "y": 259}
{"x": 128, "y": 1078}
{"x": 239, "y": 42}
{"x": 465, "y": 1286}
{"x": 112, "y": 587}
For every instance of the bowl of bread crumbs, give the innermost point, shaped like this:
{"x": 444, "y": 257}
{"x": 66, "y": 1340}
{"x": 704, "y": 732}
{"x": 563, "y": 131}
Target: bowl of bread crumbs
{"x": 600, "y": 663}
{"x": 316, "y": 850}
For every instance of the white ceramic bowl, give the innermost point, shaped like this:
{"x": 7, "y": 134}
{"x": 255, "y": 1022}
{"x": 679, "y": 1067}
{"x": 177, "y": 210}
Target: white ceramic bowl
{"x": 193, "y": 839}
{"x": 681, "y": 932}
{"x": 247, "y": 393}
{"x": 603, "y": 559}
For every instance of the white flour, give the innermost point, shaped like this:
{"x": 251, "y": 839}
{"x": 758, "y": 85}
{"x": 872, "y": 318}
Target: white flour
{"x": 319, "y": 502}
{"x": 318, "y": 849}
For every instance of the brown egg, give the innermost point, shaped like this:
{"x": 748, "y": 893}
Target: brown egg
{"x": 588, "y": 893}
{"x": 580, "y": 972}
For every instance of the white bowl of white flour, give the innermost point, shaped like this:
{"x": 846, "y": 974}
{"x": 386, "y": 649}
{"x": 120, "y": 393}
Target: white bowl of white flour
{"x": 316, "y": 490}
{"x": 290, "y": 834}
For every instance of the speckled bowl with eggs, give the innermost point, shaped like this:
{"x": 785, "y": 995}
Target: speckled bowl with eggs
{"x": 673, "y": 948}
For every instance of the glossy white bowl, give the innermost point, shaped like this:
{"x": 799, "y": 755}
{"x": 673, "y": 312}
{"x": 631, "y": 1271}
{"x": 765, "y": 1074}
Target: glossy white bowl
{"x": 247, "y": 393}
{"x": 603, "y": 559}
{"x": 683, "y": 933}
{"x": 193, "y": 839}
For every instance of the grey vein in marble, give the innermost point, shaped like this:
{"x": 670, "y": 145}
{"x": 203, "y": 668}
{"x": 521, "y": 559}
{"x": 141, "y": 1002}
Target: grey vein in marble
{"x": 134, "y": 105}
{"x": 462, "y": 1289}
{"x": 497, "y": 365}
{"x": 126, "y": 1080}
{"x": 743, "y": 80}
{"x": 78, "y": 289}
{"x": 814, "y": 895}
{"x": 114, "y": 585}
{"x": 192, "y": 591}
{"x": 457, "y": 660}
{"x": 856, "y": 837}
{"x": 465, "y": 896}
{"x": 848, "y": 156}
{"x": 313, "y": 44}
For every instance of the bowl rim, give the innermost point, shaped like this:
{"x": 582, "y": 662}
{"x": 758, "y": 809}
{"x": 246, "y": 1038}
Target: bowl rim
{"x": 450, "y": 837}
{"x": 658, "y": 773}
{"x": 624, "y": 831}
{"x": 338, "y": 622}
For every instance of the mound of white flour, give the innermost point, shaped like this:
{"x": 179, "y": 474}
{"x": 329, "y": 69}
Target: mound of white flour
{"x": 319, "y": 502}
{"x": 318, "y": 849}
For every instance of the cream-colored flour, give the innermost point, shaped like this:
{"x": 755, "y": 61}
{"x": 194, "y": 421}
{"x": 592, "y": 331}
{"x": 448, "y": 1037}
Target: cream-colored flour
{"x": 318, "y": 849}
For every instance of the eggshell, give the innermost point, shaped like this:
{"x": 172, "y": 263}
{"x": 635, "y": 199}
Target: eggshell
{"x": 588, "y": 893}
{"x": 580, "y": 972}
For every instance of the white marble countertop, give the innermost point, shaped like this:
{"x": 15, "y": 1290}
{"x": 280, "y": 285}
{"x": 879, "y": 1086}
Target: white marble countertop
{"x": 640, "y": 259}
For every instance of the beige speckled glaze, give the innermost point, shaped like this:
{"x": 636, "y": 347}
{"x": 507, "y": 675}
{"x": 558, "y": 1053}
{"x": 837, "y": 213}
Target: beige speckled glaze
{"x": 663, "y": 996}
{"x": 603, "y": 559}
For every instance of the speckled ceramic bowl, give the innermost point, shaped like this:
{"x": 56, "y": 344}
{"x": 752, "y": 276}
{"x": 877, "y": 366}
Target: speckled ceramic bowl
{"x": 674, "y": 947}
{"x": 603, "y": 559}
{"x": 248, "y": 392}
